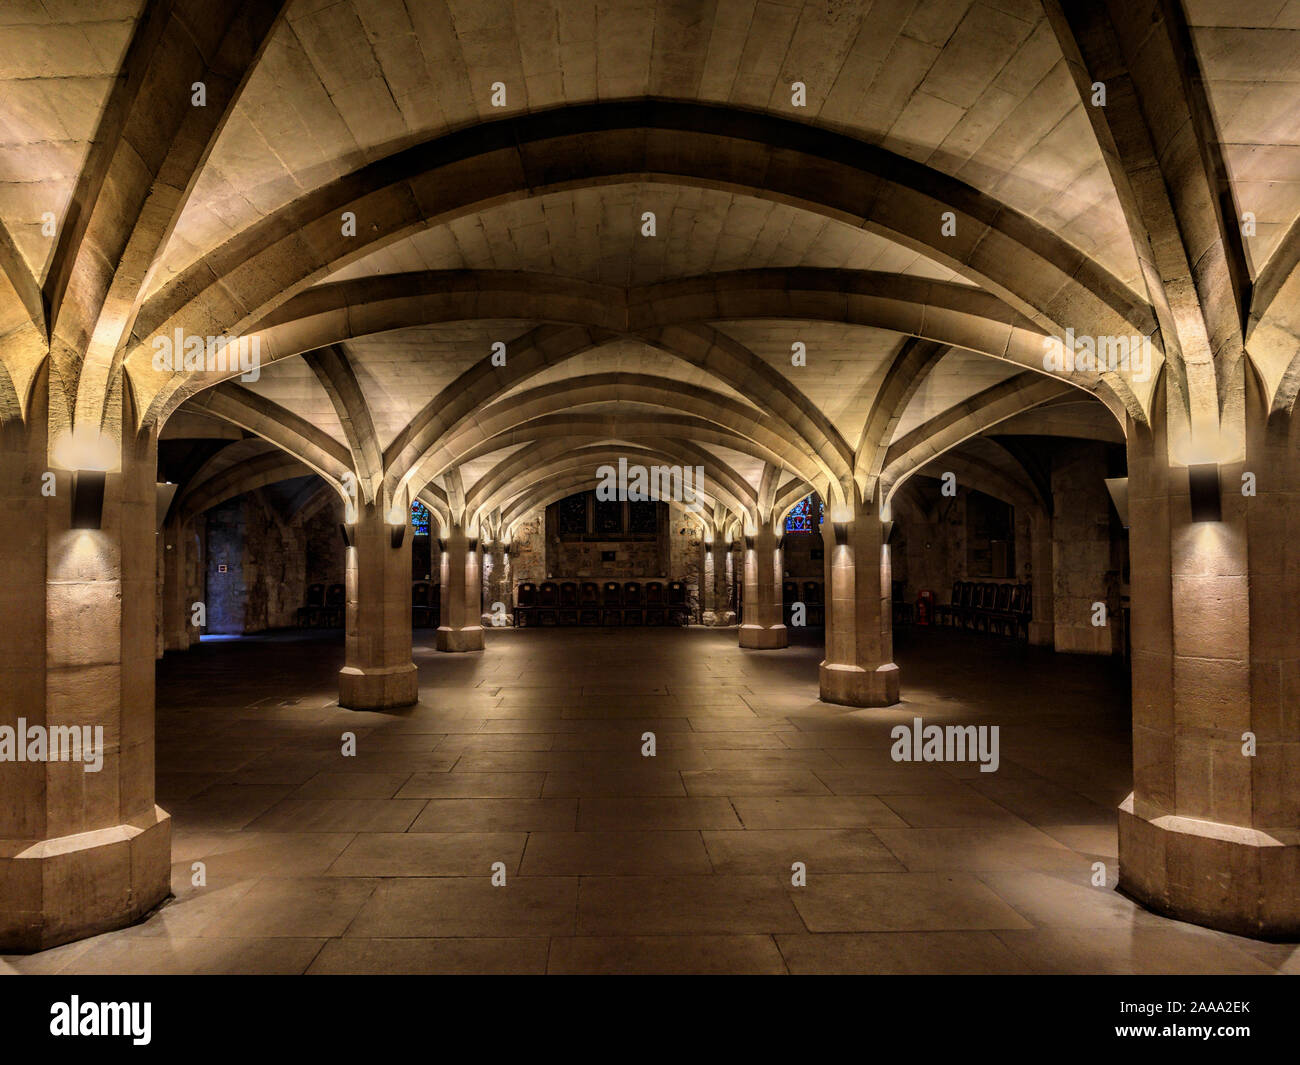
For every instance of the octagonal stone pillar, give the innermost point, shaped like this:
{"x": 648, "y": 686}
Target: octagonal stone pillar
{"x": 1211, "y": 831}
{"x": 461, "y": 627}
{"x": 764, "y": 625}
{"x": 83, "y": 847}
{"x": 858, "y": 669}
{"x": 378, "y": 672}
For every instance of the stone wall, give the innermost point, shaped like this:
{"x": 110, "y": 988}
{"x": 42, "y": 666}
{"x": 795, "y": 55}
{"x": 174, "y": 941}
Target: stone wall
{"x": 797, "y": 556}
{"x": 1088, "y": 546}
{"x": 528, "y": 549}
{"x": 686, "y": 556}
{"x": 269, "y": 563}
{"x": 930, "y": 547}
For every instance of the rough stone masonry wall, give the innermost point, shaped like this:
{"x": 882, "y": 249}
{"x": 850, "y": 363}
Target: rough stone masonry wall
{"x": 928, "y": 551}
{"x": 528, "y": 550}
{"x": 797, "y": 556}
{"x": 325, "y": 552}
{"x": 269, "y": 564}
{"x": 686, "y": 556}
{"x": 1088, "y": 548}
{"x": 1085, "y": 568}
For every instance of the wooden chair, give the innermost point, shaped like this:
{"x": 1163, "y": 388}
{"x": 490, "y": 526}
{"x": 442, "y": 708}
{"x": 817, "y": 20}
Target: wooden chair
{"x": 679, "y": 611}
{"x": 1026, "y": 612}
{"x": 1000, "y": 617}
{"x": 632, "y": 612}
{"x": 656, "y": 612}
{"x": 548, "y": 603}
{"x": 946, "y": 612}
{"x": 568, "y": 612}
{"x": 611, "y": 604}
{"x": 965, "y": 609}
{"x": 526, "y": 604}
{"x": 589, "y": 603}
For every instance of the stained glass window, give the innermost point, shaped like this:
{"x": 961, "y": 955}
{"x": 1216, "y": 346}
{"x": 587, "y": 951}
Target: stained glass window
{"x": 419, "y": 518}
{"x": 800, "y": 517}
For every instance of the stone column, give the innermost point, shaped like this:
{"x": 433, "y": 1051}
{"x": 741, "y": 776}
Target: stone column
{"x": 177, "y": 609}
{"x": 1042, "y": 625}
{"x": 80, "y": 852}
{"x": 1211, "y": 834}
{"x": 713, "y": 580}
{"x": 497, "y": 584}
{"x": 859, "y": 669}
{"x": 378, "y": 672}
{"x": 764, "y": 627}
{"x": 461, "y": 627}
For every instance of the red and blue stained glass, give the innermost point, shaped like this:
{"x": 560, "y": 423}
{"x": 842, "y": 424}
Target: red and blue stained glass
{"x": 419, "y": 519}
{"x": 800, "y": 517}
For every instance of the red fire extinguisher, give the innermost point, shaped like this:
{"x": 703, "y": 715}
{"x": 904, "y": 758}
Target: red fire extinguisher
{"x": 924, "y": 607}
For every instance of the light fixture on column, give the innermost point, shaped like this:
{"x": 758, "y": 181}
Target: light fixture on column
{"x": 349, "y": 533}
{"x": 886, "y": 530}
{"x": 396, "y": 520}
{"x": 840, "y": 526}
{"x": 708, "y": 547}
{"x": 1203, "y": 487}
{"x": 1118, "y": 489}
{"x": 505, "y": 548}
{"x": 89, "y": 454}
{"x": 471, "y": 544}
{"x": 88, "y": 498}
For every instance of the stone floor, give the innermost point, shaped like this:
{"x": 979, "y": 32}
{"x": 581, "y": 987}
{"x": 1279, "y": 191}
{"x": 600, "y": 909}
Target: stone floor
{"x": 530, "y": 756}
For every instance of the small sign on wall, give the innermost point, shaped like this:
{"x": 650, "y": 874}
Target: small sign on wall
{"x": 221, "y": 567}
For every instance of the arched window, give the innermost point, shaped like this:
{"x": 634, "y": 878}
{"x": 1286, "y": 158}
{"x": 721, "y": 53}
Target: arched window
{"x": 800, "y": 517}
{"x": 419, "y": 518}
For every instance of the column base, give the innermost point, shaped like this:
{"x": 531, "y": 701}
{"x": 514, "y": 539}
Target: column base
{"x": 378, "y": 689}
{"x": 469, "y": 638}
{"x": 1233, "y": 879}
{"x": 763, "y": 638}
{"x": 53, "y": 891}
{"x": 1042, "y": 634}
{"x": 847, "y": 685}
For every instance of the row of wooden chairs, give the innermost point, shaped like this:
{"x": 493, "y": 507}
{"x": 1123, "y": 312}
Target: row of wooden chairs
{"x": 324, "y": 608}
{"x": 810, "y": 594}
{"x": 610, "y": 603}
{"x": 989, "y": 607}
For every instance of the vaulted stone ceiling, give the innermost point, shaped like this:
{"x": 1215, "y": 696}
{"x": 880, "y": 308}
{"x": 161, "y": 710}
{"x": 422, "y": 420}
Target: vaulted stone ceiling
{"x": 499, "y": 160}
